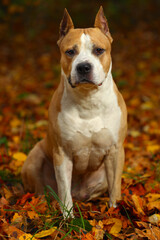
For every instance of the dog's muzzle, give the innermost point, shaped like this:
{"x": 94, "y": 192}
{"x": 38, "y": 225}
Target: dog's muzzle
{"x": 84, "y": 73}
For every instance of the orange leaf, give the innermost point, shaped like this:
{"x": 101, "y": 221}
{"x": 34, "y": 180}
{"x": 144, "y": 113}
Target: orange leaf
{"x": 87, "y": 236}
{"x": 138, "y": 202}
{"x": 151, "y": 234}
{"x": 8, "y": 194}
{"x": 32, "y": 214}
{"x": 152, "y": 205}
{"x": 11, "y": 230}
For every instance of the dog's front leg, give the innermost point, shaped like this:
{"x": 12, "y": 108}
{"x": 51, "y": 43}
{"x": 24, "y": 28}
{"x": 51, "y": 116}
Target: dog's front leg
{"x": 63, "y": 171}
{"x": 114, "y": 167}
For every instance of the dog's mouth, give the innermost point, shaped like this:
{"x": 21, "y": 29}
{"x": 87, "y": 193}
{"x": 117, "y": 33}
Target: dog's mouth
{"x": 83, "y": 81}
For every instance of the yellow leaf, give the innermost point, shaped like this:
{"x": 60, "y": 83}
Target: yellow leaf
{"x": 45, "y": 233}
{"x": 19, "y": 156}
{"x": 32, "y": 214}
{"x": 153, "y": 197}
{"x": 17, "y": 218}
{"x": 129, "y": 145}
{"x": 15, "y": 123}
{"x": 93, "y": 222}
{"x": 147, "y": 105}
{"x": 152, "y": 205}
{"x": 116, "y": 228}
{"x": 26, "y": 236}
{"x": 153, "y": 148}
{"x": 16, "y": 139}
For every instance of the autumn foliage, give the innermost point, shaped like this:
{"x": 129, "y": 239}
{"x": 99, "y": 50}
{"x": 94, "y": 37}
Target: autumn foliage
{"x": 29, "y": 74}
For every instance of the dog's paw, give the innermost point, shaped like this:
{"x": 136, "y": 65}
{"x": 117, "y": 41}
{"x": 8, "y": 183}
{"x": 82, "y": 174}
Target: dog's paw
{"x": 112, "y": 204}
{"x": 68, "y": 214}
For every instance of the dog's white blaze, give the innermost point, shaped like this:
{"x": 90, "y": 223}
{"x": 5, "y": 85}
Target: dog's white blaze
{"x": 86, "y": 54}
{"x": 89, "y": 114}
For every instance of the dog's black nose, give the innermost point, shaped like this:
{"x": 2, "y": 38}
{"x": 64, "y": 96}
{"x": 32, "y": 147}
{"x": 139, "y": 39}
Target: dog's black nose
{"x": 84, "y": 68}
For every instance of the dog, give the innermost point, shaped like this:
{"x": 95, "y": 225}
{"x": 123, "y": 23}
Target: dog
{"x": 82, "y": 155}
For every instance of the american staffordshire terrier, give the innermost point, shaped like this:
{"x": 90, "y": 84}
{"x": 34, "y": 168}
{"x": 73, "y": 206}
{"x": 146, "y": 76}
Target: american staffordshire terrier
{"x": 82, "y": 154}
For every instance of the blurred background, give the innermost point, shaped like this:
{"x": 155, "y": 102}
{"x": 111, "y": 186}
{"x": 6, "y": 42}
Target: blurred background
{"x": 30, "y": 69}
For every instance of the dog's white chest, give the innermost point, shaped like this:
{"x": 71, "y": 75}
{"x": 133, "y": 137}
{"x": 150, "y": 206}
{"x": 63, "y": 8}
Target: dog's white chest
{"x": 89, "y": 128}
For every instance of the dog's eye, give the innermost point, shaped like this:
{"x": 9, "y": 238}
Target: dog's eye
{"x": 98, "y": 51}
{"x": 70, "y": 52}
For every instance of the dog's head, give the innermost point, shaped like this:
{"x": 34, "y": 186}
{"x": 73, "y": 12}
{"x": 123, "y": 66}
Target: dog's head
{"x": 85, "y": 53}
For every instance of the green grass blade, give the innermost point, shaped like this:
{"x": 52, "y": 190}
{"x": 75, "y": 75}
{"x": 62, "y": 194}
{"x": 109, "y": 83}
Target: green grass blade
{"x": 66, "y": 234}
{"x": 83, "y": 224}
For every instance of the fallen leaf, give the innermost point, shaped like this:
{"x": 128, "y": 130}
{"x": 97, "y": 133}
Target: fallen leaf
{"x": 152, "y": 205}
{"x": 11, "y": 231}
{"x": 45, "y": 233}
{"x": 138, "y": 203}
{"x": 3, "y": 201}
{"x": 153, "y": 148}
{"x": 16, "y": 139}
{"x": 98, "y": 231}
{"x": 152, "y": 234}
{"x": 117, "y": 225}
{"x": 151, "y": 197}
{"x": 15, "y": 123}
{"x": 20, "y": 156}
{"x": 87, "y": 236}
{"x": 32, "y": 214}
{"x": 7, "y": 193}
{"x": 147, "y": 105}
{"x": 155, "y": 219}
{"x": 16, "y": 218}
{"x": 27, "y": 236}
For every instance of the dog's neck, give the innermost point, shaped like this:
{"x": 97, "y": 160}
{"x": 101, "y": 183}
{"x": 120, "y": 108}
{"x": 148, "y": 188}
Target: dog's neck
{"x": 89, "y": 93}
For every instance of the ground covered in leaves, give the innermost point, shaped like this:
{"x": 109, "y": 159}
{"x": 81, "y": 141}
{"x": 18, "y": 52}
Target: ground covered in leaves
{"x": 29, "y": 74}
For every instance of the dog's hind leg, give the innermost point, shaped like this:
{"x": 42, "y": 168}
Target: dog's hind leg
{"x": 37, "y": 171}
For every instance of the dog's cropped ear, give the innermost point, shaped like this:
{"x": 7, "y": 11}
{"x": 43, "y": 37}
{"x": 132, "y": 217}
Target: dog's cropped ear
{"x": 65, "y": 25}
{"x": 101, "y": 23}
